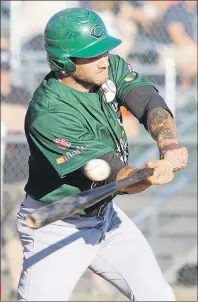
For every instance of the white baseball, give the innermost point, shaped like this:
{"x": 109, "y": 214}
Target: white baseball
{"x": 97, "y": 169}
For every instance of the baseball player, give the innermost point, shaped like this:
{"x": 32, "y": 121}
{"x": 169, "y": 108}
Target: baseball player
{"x": 73, "y": 117}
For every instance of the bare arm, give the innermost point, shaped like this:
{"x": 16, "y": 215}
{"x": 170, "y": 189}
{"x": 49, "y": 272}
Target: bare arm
{"x": 151, "y": 110}
{"x": 178, "y": 35}
{"x": 128, "y": 11}
{"x": 173, "y": 157}
{"x": 162, "y": 127}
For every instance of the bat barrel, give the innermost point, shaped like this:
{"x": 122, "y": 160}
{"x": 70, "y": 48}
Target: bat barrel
{"x": 49, "y": 213}
{"x": 69, "y": 206}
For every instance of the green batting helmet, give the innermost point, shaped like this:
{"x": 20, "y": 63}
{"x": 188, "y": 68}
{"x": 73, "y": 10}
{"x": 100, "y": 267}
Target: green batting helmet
{"x": 75, "y": 32}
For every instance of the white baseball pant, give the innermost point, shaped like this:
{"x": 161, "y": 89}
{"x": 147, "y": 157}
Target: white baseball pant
{"x": 57, "y": 255}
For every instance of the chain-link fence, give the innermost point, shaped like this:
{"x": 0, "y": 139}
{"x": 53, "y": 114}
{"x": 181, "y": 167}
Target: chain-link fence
{"x": 149, "y": 30}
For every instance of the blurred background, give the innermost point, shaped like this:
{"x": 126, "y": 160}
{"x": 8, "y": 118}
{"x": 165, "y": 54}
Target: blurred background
{"x": 160, "y": 41}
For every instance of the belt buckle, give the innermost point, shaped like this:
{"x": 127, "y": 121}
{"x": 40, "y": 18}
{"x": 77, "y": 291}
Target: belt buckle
{"x": 100, "y": 210}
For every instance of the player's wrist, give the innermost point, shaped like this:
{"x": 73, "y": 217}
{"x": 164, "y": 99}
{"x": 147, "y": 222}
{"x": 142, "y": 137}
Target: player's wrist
{"x": 171, "y": 146}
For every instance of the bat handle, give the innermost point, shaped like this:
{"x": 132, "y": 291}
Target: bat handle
{"x": 134, "y": 178}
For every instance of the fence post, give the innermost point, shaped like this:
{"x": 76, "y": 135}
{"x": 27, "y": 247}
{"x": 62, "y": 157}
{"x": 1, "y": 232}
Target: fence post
{"x": 15, "y": 33}
{"x": 170, "y": 82}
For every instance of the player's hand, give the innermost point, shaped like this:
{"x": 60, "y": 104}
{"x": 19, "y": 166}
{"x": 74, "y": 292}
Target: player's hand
{"x": 163, "y": 172}
{"x": 176, "y": 155}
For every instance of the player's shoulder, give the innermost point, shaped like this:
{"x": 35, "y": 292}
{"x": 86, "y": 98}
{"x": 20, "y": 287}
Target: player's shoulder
{"x": 44, "y": 97}
{"x": 115, "y": 59}
{"x": 117, "y": 63}
{"x": 39, "y": 105}
{"x": 119, "y": 68}
{"x": 47, "y": 120}
{"x": 43, "y": 112}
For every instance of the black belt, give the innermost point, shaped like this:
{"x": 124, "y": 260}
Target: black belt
{"x": 96, "y": 211}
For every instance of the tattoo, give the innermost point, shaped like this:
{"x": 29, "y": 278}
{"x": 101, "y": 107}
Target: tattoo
{"x": 162, "y": 127}
{"x": 157, "y": 116}
{"x": 166, "y": 133}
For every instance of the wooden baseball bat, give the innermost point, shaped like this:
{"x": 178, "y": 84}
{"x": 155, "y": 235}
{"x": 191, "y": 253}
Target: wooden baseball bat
{"x": 71, "y": 205}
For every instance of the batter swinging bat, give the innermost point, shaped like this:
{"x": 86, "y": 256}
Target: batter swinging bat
{"x": 69, "y": 206}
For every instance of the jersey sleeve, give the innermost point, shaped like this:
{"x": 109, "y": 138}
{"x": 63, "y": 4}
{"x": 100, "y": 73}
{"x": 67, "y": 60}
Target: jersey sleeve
{"x": 124, "y": 77}
{"x": 65, "y": 142}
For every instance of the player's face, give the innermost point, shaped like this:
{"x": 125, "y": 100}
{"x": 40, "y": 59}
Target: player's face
{"x": 92, "y": 71}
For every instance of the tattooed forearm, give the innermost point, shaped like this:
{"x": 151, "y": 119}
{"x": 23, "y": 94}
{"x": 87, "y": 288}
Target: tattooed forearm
{"x": 162, "y": 127}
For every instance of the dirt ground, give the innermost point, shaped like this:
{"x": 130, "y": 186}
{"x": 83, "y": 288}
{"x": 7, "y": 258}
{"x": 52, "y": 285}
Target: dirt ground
{"x": 185, "y": 293}
{"x": 182, "y": 294}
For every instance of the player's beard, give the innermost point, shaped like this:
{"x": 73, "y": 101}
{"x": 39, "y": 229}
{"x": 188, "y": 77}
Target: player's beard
{"x": 89, "y": 80}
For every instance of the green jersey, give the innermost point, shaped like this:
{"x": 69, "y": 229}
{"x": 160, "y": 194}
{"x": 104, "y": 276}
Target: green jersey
{"x": 65, "y": 128}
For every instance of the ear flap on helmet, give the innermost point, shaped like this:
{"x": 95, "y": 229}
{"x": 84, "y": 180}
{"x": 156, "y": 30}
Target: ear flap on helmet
{"x": 65, "y": 66}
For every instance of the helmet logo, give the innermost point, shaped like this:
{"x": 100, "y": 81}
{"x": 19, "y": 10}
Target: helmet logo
{"x": 93, "y": 31}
